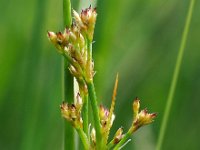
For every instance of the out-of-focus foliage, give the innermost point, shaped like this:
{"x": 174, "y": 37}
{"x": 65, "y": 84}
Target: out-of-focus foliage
{"x": 138, "y": 39}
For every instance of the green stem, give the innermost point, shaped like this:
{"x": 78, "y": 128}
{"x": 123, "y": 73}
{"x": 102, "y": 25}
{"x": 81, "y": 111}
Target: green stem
{"x": 67, "y": 18}
{"x": 85, "y": 113}
{"x": 95, "y": 109}
{"x": 68, "y": 87}
{"x": 111, "y": 144}
{"x": 175, "y": 77}
{"x": 85, "y": 109}
{"x": 83, "y": 138}
{"x": 89, "y": 48}
{"x": 67, "y": 96}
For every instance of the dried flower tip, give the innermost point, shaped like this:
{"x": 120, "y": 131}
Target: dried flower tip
{"x": 118, "y": 135}
{"x": 88, "y": 16}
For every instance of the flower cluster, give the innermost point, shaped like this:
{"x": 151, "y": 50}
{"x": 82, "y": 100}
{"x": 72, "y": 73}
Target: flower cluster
{"x": 72, "y": 112}
{"x": 140, "y": 118}
{"x": 143, "y": 117}
{"x": 75, "y": 44}
{"x": 86, "y": 21}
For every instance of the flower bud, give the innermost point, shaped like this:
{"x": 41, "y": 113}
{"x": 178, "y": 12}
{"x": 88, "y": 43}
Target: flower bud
{"x": 93, "y": 136}
{"x": 104, "y": 116}
{"x": 52, "y": 37}
{"x": 78, "y": 19}
{"x": 74, "y": 72}
{"x": 81, "y": 41}
{"x": 118, "y": 135}
{"x": 79, "y": 101}
{"x": 72, "y": 37}
{"x": 136, "y": 107}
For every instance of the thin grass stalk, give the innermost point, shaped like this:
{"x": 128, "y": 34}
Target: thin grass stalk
{"x": 175, "y": 76}
{"x": 67, "y": 82}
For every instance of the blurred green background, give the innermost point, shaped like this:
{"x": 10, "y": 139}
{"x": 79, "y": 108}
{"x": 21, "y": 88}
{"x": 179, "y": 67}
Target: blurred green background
{"x": 139, "y": 39}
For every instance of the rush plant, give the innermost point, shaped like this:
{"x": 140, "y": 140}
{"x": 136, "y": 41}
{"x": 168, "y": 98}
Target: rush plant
{"x": 75, "y": 45}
